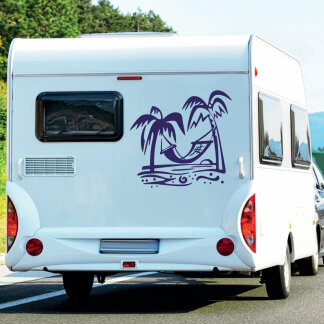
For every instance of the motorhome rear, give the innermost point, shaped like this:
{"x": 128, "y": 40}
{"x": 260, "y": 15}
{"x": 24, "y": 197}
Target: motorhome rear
{"x": 158, "y": 153}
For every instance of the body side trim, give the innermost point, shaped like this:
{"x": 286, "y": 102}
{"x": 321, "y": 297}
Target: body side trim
{"x": 124, "y": 73}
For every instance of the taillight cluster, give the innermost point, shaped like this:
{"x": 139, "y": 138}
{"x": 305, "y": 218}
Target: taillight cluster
{"x": 12, "y": 223}
{"x": 248, "y": 223}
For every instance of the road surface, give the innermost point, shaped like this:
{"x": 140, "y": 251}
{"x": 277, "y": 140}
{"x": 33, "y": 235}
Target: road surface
{"x": 161, "y": 298}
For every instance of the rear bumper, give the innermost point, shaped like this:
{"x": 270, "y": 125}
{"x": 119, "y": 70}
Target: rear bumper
{"x": 78, "y": 249}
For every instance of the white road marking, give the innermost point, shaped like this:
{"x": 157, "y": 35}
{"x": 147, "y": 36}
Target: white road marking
{"x": 62, "y": 292}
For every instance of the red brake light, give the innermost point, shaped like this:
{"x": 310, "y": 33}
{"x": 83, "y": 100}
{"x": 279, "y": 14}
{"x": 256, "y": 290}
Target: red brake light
{"x": 34, "y": 247}
{"x": 129, "y": 78}
{"x": 248, "y": 223}
{"x": 225, "y": 246}
{"x": 12, "y": 223}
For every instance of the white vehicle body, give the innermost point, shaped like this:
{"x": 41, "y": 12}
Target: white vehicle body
{"x": 102, "y": 197}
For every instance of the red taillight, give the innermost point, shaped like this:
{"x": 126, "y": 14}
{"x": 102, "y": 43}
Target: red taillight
{"x": 129, "y": 264}
{"x": 129, "y": 78}
{"x": 34, "y": 247}
{"x": 248, "y": 224}
{"x": 12, "y": 223}
{"x": 225, "y": 246}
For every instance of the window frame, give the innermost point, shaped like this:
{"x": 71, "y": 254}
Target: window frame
{"x": 75, "y": 137}
{"x": 265, "y": 159}
{"x": 299, "y": 164}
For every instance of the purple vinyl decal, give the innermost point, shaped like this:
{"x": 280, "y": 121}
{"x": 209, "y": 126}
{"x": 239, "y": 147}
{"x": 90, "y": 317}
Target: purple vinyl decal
{"x": 203, "y": 160}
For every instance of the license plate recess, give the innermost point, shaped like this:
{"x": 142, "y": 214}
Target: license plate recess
{"x": 140, "y": 246}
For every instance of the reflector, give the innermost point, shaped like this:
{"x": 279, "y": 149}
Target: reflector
{"x": 225, "y": 246}
{"x": 34, "y": 247}
{"x": 129, "y": 264}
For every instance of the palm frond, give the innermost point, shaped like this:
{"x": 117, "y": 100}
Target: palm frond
{"x": 155, "y": 111}
{"x": 216, "y": 100}
{"x": 143, "y": 120}
{"x": 217, "y": 93}
{"x": 222, "y": 109}
{"x": 170, "y": 131}
{"x": 193, "y": 102}
{"x": 177, "y": 118}
{"x": 197, "y": 114}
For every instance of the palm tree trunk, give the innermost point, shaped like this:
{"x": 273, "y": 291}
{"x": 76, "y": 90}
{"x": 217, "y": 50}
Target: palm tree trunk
{"x": 215, "y": 142}
{"x": 223, "y": 168}
{"x": 153, "y": 152}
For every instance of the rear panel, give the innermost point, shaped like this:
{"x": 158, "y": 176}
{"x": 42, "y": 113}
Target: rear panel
{"x": 117, "y": 184}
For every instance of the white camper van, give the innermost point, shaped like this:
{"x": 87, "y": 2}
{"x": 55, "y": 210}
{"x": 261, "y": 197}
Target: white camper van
{"x": 158, "y": 153}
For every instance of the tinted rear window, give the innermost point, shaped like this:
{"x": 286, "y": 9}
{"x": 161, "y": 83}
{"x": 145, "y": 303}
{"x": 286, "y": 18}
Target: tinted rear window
{"x": 79, "y": 116}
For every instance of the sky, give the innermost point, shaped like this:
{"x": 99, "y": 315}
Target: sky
{"x": 295, "y": 26}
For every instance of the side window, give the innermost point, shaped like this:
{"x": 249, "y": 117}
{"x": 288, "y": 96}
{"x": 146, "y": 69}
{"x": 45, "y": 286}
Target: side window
{"x": 79, "y": 116}
{"x": 270, "y": 130}
{"x": 300, "y": 143}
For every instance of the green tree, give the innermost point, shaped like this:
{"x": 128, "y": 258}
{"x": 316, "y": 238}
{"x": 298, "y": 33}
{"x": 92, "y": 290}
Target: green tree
{"x": 3, "y": 103}
{"x": 149, "y": 22}
{"x": 67, "y": 18}
{"x": 107, "y": 19}
{"x": 34, "y": 19}
{"x": 46, "y": 18}
{"x": 3, "y": 110}
{"x": 84, "y": 11}
{"x": 12, "y": 25}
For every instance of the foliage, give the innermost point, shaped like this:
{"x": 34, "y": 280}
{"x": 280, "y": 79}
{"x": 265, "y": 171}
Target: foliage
{"x": 84, "y": 12}
{"x": 149, "y": 22}
{"x": 3, "y": 179}
{"x": 45, "y": 18}
{"x": 3, "y": 110}
{"x": 12, "y": 25}
{"x": 106, "y": 19}
{"x": 67, "y": 18}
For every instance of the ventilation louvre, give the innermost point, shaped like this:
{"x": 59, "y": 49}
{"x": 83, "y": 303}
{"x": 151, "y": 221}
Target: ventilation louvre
{"x": 50, "y": 166}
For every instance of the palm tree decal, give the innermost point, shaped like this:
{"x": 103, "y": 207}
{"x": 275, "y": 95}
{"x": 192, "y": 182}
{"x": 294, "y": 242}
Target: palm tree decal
{"x": 155, "y": 125}
{"x": 200, "y": 111}
{"x": 203, "y": 162}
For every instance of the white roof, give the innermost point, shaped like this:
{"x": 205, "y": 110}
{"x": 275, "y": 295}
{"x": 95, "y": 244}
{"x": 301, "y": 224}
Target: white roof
{"x": 130, "y": 54}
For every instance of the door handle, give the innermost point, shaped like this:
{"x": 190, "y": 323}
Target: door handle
{"x": 241, "y": 167}
{"x": 20, "y": 168}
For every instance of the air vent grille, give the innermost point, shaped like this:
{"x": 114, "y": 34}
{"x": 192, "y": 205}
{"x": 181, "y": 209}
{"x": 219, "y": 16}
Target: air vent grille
{"x": 50, "y": 166}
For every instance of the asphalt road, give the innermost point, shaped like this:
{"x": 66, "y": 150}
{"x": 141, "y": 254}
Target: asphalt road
{"x": 160, "y": 298}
